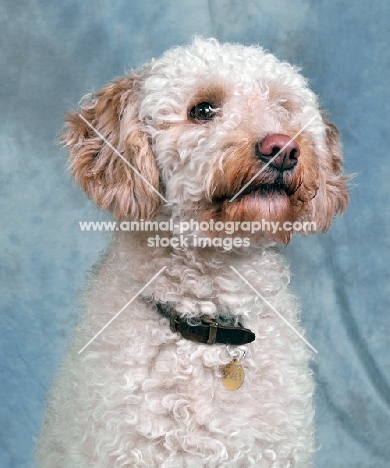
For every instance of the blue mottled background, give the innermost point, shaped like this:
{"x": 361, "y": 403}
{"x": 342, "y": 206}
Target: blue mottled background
{"x": 52, "y": 53}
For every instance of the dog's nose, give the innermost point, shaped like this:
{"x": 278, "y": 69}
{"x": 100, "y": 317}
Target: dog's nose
{"x": 275, "y": 143}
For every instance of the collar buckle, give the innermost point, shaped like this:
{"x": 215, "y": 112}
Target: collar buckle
{"x": 174, "y": 322}
{"x": 213, "y": 327}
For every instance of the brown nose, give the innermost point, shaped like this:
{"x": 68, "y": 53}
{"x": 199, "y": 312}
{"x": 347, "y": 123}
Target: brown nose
{"x": 275, "y": 143}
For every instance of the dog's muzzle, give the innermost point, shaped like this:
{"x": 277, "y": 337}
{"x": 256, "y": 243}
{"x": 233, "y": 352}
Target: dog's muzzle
{"x": 206, "y": 329}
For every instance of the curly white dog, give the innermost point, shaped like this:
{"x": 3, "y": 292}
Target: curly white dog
{"x": 226, "y": 134}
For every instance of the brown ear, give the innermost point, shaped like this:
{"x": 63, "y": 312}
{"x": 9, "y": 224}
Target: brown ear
{"x": 102, "y": 174}
{"x": 332, "y": 196}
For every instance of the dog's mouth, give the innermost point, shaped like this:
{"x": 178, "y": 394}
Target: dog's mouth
{"x": 275, "y": 190}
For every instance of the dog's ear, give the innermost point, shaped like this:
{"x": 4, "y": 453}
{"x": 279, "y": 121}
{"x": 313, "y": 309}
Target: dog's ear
{"x": 332, "y": 195}
{"x": 103, "y": 174}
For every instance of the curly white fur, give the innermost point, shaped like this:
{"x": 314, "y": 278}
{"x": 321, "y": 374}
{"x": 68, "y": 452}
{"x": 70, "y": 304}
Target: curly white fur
{"x": 141, "y": 395}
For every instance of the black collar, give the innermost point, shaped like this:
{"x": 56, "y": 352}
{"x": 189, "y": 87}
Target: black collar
{"x": 204, "y": 329}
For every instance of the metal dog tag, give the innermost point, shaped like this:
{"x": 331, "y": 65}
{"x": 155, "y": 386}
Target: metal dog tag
{"x": 233, "y": 375}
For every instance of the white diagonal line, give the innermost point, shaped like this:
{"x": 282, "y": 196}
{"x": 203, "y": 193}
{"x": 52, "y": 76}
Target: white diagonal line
{"x": 271, "y": 160}
{"x": 123, "y": 308}
{"x": 273, "y": 308}
{"x": 123, "y": 159}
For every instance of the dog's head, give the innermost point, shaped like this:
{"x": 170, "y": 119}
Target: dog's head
{"x": 221, "y": 131}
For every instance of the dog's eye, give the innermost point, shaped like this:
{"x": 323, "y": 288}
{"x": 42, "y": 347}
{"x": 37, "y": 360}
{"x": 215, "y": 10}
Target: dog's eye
{"x": 203, "y": 111}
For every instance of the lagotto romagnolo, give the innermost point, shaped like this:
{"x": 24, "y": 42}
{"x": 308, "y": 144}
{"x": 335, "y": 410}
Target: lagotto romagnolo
{"x": 212, "y": 133}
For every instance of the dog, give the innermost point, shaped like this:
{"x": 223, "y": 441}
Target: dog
{"x": 190, "y": 351}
